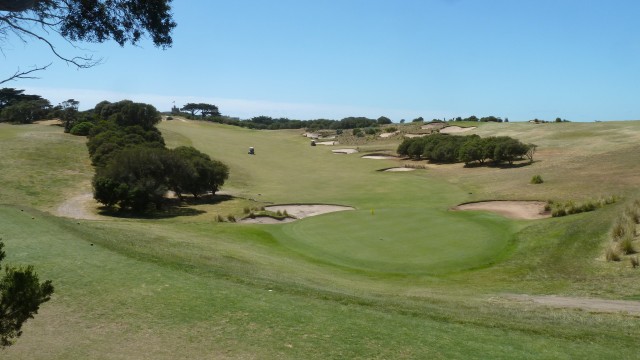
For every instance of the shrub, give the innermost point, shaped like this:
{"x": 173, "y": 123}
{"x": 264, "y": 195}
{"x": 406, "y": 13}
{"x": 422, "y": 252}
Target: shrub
{"x": 231, "y": 218}
{"x": 82, "y": 129}
{"x": 246, "y": 210}
{"x": 284, "y": 213}
{"x": 558, "y": 212}
{"x": 634, "y": 261}
{"x": 391, "y": 129}
{"x": 252, "y": 215}
{"x": 612, "y": 253}
{"x": 219, "y": 218}
{"x": 626, "y": 244}
{"x": 536, "y": 179}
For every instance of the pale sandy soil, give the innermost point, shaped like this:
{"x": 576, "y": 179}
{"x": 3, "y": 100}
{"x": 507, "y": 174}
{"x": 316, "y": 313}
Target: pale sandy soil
{"x": 400, "y": 169}
{"x": 386, "y": 135}
{"x": 414, "y": 135}
{"x": 303, "y": 211}
{"x": 587, "y": 304}
{"x": 265, "y": 220}
{"x": 344, "y": 151}
{"x": 311, "y": 135}
{"x": 455, "y": 129}
{"x": 79, "y": 207}
{"x": 330, "y": 143}
{"x": 379, "y": 157}
{"x": 527, "y": 210}
{"x": 433, "y": 126}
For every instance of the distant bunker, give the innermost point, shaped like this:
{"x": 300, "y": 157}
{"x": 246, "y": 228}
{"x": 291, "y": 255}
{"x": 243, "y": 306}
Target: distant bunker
{"x": 379, "y": 157}
{"x": 455, "y": 129}
{"x": 398, "y": 169}
{"x": 522, "y": 210}
{"x": 299, "y": 211}
{"x": 344, "y": 151}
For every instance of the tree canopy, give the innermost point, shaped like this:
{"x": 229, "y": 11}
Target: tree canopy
{"x": 96, "y": 21}
{"x": 21, "y": 294}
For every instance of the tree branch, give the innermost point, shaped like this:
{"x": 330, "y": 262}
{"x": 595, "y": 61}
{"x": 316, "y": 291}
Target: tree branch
{"x": 24, "y": 74}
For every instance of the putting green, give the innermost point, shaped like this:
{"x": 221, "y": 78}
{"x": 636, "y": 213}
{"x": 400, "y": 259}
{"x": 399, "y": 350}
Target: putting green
{"x": 400, "y": 240}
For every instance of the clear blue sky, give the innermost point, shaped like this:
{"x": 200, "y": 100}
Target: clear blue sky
{"x": 574, "y": 59}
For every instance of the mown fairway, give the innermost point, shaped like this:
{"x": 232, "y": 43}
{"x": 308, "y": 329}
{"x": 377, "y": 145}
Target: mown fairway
{"x": 399, "y": 277}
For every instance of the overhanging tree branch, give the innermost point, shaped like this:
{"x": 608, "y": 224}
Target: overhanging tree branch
{"x": 24, "y": 74}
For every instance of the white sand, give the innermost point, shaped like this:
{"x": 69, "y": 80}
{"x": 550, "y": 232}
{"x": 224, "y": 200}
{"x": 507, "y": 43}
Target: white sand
{"x": 344, "y": 151}
{"x": 414, "y": 135}
{"x": 400, "y": 169}
{"x": 303, "y": 211}
{"x": 379, "y": 157}
{"x": 527, "y": 210}
{"x": 455, "y": 129}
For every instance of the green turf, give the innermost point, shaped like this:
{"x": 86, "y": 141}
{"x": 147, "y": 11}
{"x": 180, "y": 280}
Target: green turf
{"x": 411, "y": 280}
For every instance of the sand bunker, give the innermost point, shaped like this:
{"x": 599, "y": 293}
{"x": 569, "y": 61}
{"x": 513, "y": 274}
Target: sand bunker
{"x": 399, "y": 169}
{"x": 379, "y": 157}
{"x": 527, "y": 210}
{"x": 344, "y": 151}
{"x": 265, "y": 220}
{"x": 455, "y": 129}
{"x": 433, "y": 126}
{"x": 414, "y": 135}
{"x": 386, "y": 135}
{"x": 330, "y": 143}
{"x": 303, "y": 211}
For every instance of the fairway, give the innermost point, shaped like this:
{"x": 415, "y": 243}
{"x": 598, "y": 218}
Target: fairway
{"x": 400, "y": 276}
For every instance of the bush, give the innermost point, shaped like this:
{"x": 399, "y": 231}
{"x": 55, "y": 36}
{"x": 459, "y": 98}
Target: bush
{"x": 219, "y": 218}
{"x": 231, "y": 218}
{"x": 626, "y": 245}
{"x": 82, "y": 129}
{"x": 634, "y": 261}
{"x": 612, "y": 254}
{"x": 537, "y": 179}
{"x": 391, "y": 129}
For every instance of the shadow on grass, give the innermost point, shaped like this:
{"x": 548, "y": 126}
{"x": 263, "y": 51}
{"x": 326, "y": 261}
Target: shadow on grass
{"x": 171, "y": 208}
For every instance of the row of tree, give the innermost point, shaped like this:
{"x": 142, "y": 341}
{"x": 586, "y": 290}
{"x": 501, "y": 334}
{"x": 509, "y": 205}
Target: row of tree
{"x": 441, "y": 148}
{"x": 268, "y": 123}
{"x": 134, "y": 169}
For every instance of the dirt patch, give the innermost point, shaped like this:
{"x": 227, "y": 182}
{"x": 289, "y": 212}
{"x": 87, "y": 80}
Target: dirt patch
{"x": 587, "y": 304}
{"x": 455, "y": 129}
{"x": 399, "y": 169}
{"x": 330, "y": 143}
{"x": 78, "y": 207}
{"x": 303, "y": 211}
{"x": 527, "y": 210}
{"x": 49, "y": 122}
{"x": 344, "y": 151}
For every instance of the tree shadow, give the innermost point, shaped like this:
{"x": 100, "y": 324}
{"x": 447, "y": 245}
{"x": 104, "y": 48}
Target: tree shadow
{"x": 171, "y": 208}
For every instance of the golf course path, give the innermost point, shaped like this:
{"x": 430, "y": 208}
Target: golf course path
{"x": 77, "y": 207}
{"x": 587, "y": 304}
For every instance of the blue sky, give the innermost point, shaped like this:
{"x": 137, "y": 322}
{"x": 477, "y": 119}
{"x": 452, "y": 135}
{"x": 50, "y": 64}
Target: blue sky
{"x": 578, "y": 60}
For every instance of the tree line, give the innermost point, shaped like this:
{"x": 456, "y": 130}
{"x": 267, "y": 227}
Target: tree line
{"x": 440, "y": 148}
{"x": 133, "y": 168}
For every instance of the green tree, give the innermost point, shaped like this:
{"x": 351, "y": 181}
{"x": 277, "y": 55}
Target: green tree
{"x": 202, "y": 108}
{"x": 69, "y": 114}
{"x": 25, "y": 112}
{"x": 96, "y": 21}
{"x": 383, "y": 120}
{"x": 134, "y": 178}
{"x": 21, "y": 294}
{"x": 195, "y": 172}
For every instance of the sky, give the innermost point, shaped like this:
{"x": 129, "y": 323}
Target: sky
{"x": 574, "y": 59}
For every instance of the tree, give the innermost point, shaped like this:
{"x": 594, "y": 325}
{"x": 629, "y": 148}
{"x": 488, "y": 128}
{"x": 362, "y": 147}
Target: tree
{"x": 203, "y": 108}
{"x": 96, "y": 21}
{"x": 69, "y": 113}
{"x": 383, "y": 120}
{"x": 25, "y": 112}
{"x": 21, "y": 294}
